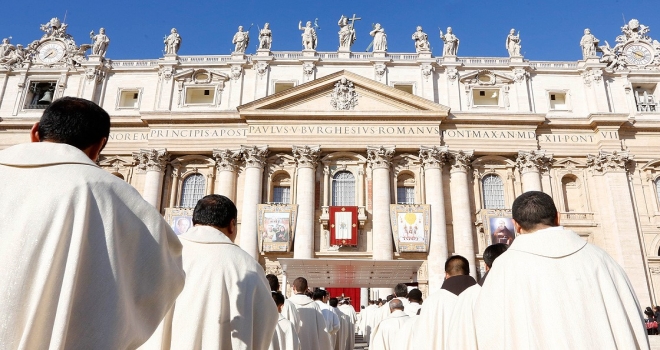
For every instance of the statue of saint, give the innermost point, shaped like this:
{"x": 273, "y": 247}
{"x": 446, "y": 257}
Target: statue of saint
{"x": 380, "y": 38}
{"x": 513, "y": 43}
{"x": 589, "y": 44}
{"x": 421, "y": 41}
{"x": 451, "y": 43}
{"x": 309, "y": 39}
{"x": 265, "y": 37}
{"x": 346, "y": 33}
{"x": 5, "y": 48}
{"x": 241, "y": 40}
{"x": 100, "y": 42}
{"x": 172, "y": 42}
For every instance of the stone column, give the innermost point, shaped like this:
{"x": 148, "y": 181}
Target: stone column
{"x": 306, "y": 159}
{"x": 364, "y": 298}
{"x": 255, "y": 159}
{"x": 226, "y": 162}
{"x": 379, "y": 159}
{"x": 530, "y": 165}
{"x": 433, "y": 159}
{"x": 152, "y": 162}
{"x": 460, "y": 207}
{"x": 619, "y": 236}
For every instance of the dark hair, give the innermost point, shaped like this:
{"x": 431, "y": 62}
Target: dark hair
{"x": 334, "y": 302}
{"x": 273, "y": 282}
{"x": 415, "y": 295}
{"x": 534, "y": 208}
{"x": 401, "y": 290}
{"x": 214, "y": 210}
{"x": 74, "y": 121}
{"x": 493, "y": 251}
{"x": 457, "y": 265}
{"x": 278, "y": 298}
{"x": 319, "y": 294}
{"x": 390, "y": 297}
{"x": 300, "y": 284}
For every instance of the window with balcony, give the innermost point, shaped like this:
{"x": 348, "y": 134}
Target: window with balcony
{"x": 493, "y": 189}
{"x": 192, "y": 190}
{"x": 343, "y": 189}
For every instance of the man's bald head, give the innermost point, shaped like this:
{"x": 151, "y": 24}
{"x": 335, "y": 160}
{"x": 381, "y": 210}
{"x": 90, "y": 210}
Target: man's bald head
{"x": 396, "y": 304}
{"x": 457, "y": 266}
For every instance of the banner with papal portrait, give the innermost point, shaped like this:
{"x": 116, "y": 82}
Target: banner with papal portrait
{"x": 180, "y": 219}
{"x": 411, "y": 227}
{"x": 276, "y": 226}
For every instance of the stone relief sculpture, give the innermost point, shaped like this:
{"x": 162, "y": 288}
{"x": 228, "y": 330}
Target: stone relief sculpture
{"x": 513, "y": 43}
{"x": 15, "y": 57}
{"x": 5, "y": 48}
{"x": 265, "y": 37}
{"x": 343, "y": 96}
{"x": 54, "y": 29}
{"x": 100, "y": 42}
{"x": 451, "y": 43}
{"x": 309, "y": 39}
{"x": 346, "y": 32}
{"x": 241, "y": 40}
{"x": 172, "y": 42}
{"x": 589, "y": 44}
{"x": 421, "y": 40}
{"x": 380, "y": 38}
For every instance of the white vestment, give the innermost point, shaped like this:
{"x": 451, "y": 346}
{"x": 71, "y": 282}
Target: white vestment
{"x": 312, "y": 332}
{"x": 412, "y": 308}
{"x": 431, "y": 326}
{"x": 346, "y": 333}
{"x": 461, "y": 335}
{"x": 369, "y": 321}
{"x": 285, "y": 336}
{"x": 331, "y": 321}
{"x": 386, "y": 333}
{"x": 290, "y": 312}
{"x": 352, "y": 315}
{"x": 553, "y": 290}
{"x": 85, "y": 262}
{"x": 226, "y": 303}
{"x": 384, "y": 312}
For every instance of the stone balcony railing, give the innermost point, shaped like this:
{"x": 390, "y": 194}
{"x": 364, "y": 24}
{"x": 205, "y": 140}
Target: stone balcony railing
{"x": 577, "y": 219}
{"x": 325, "y": 216}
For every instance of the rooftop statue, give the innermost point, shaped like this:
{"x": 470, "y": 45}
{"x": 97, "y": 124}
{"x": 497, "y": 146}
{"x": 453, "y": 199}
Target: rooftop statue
{"x": 55, "y": 29}
{"x": 513, "y": 43}
{"x": 241, "y": 40}
{"x": 309, "y": 39}
{"x": 380, "y": 38}
{"x": 5, "y": 48}
{"x": 589, "y": 44}
{"x": 100, "y": 42}
{"x": 421, "y": 41}
{"x": 451, "y": 43}
{"x": 265, "y": 37}
{"x": 346, "y": 32}
{"x": 172, "y": 42}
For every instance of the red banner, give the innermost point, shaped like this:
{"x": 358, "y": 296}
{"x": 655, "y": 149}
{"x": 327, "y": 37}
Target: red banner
{"x": 343, "y": 226}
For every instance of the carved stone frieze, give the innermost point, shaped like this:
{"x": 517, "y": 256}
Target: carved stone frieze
{"x": 165, "y": 72}
{"x": 536, "y": 160}
{"x": 226, "y": 159}
{"x": 308, "y": 69}
{"x": 343, "y": 96}
{"x": 606, "y": 161}
{"x": 427, "y": 70}
{"x": 592, "y": 75}
{"x": 380, "y": 68}
{"x": 262, "y": 68}
{"x": 151, "y": 159}
{"x": 236, "y": 72}
{"x": 380, "y": 157}
{"x": 460, "y": 160}
{"x": 306, "y": 156}
{"x": 452, "y": 74}
{"x": 254, "y": 157}
{"x": 433, "y": 157}
{"x": 520, "y": 75}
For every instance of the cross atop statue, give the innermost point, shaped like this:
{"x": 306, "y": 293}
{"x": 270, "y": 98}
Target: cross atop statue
{"x": 353, "y": 19}
{"x": 347, "y": 32}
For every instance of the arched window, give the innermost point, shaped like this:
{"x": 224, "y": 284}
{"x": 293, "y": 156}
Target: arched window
{"x": 572, "y": 194}
{"x": 193, "y": 189}
{"x": 493, "y": 188}
{"x": 405, "y": 189}
{"x": 282, "y": 189}
{"x": 343, "y": 189}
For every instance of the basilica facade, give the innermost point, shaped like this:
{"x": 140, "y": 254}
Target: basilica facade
{"x": 379, "y": 159}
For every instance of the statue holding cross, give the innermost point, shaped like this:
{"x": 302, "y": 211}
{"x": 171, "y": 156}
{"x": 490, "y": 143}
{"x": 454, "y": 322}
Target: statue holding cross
{"x": 347, "y": 32}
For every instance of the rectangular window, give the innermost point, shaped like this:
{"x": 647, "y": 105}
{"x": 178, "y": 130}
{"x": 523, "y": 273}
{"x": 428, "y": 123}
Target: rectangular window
{"x": 282, "y": 194}
{"x": 645, "y": 97}
{"x": 281, "y": 86}
{"x": 558, "y": 101}
{"x": 486, "y": 97}
{"x": 129, "y": 98}
{"x": 404, "y": 87}
{"x": 40, "y": 94}
{"x": 405, "y": 195}
{"x": 200, "y": 95}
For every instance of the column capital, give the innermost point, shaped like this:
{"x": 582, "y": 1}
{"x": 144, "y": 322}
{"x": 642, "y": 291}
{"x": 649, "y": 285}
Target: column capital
{"x": 306, "y": 156}
{"x": 151, "y": 159}
{"x": 380, "y": 157}
{"x": 433, "y": 157}
{"x": 604, "y": 161}
{"x": 535, "y": 161}
{"x": 227, "y": 159}
{"x": 460, "y": 160}
{"x": 254, "y": 157}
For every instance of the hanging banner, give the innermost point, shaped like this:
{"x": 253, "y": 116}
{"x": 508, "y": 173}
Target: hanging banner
{"x": 411, "y": 227}
{"x": 343, "y": 226}
{"x": 277, "y": 224}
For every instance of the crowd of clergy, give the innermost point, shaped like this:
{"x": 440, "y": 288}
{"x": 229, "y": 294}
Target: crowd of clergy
{"x": 87, "y": 263}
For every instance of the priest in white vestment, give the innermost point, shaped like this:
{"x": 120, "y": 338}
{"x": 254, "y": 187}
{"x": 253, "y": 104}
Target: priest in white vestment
{"x": 286, "y": 336}
{"x": 431, "y": 327}
{"x": 367, "y": 320}
{"x": 288, "y": 310}
{"x": 414, "y": 302}
{"x": 387, "y": 332}
{"x": 85, "y": 262}
{"x": 401, "y": 293}
{"x": 226, "y": 303}
{"x": 312, "y": 331}
{"x": 346, "y": 307}
{"x": 553, "y": 290}
{"x": 331, "y": 318}
{"x": 346, "y": 333}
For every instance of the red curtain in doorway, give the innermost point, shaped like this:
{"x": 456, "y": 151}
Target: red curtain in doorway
{"x": 352, "y": 293}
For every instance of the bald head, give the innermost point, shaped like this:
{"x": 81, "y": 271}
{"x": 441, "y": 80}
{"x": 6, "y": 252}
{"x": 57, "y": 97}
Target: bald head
{"x": 396, "y": 304}
{"x": 457, "y": 266}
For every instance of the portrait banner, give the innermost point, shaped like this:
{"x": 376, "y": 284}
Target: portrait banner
{"x": 411, "y": 227}
{"x": 343, "y": 226}
{"x": 277, "y": 224}
{"x": 180, "y": 219}
{"x": 500, "y": 229}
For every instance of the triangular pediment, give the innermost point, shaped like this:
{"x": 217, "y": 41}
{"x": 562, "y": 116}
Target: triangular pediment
{"x": 343, "y": 94}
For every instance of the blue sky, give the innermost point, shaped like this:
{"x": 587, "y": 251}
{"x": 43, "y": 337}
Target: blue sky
{"x": 550, "y": 30}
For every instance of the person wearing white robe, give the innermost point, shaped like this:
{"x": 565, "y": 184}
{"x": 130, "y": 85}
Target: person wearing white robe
{"x": 386, "y": 333}
{"x": 553, "y": 290}
{"x": 431, "y": 328}
{"x": 401, "y": 293}
{"x": 415, "y": 300}
{"x": 288, "y": 310}
{"x": 346, "y": 334}
{"x": 285, "y": 336}
{"x": 226, "y": 303}
{"x": 312, "y": 331}
{"x": 86, "y": 262}
{"x": 331, "y": 318}
{"x": 347, "y": 309}
{"x": 366, "y": 319}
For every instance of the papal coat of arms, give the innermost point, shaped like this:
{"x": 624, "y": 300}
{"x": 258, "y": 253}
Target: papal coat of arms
{"x": 344, "y": 97}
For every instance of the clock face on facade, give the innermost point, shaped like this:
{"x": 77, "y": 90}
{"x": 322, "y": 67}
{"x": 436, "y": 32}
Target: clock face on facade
{"x": 638, "y": 54}
{"x": 51, "y": 52}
